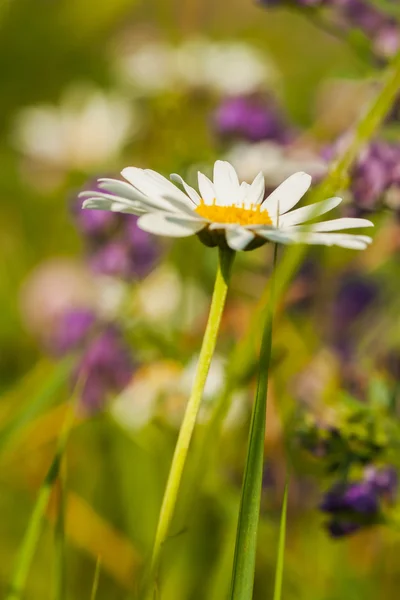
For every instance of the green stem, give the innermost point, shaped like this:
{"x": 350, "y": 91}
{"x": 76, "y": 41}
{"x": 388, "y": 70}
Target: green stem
{"x": 246, "y": 535}
{"x": 36, "y": 522}
{"x": 281, "y": 545}
{"x": 96, "y": 580}
{"x": 59, "y": 541}
{"x": 185, "y": 434}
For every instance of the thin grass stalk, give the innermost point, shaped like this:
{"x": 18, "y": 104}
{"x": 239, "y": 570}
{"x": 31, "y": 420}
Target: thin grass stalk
{"x": 35, "y": 525}
{"x": 281, "y": 545}
{"x": 249, "y": 512}
{"x": 226, "y": 257}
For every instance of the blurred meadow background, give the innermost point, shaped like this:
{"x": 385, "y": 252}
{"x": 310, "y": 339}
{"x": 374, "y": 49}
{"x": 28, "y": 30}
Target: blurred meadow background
{"x": 89, "y": 87}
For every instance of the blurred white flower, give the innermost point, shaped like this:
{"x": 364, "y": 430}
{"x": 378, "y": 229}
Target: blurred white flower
{"x": 222, "y": 67}
{"x": 158, "y": 297}
{"x": 150, "y": 68}
{"x": 52, "y": 288}
{"x": 215, "y": 377}
{"x": 87, "y": 129}
{"x": 151, "y": 385}
{"x": 275, "y": 161}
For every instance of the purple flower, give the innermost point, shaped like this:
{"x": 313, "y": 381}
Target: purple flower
{"x": 115, "y": 245}
{"x": 356, "y": 295}
{"x": 249, "y": 118}
{"x": 358, "y": 497}
{"x": 341, "y": 527}
{"x": 384, "y": 480}
{"x": 72, "y": 330}
{"x": 106, "y": 367}
{"x": 112, "y": 258}
{"x": 145, "y": 248}
{"x": 357, "y": 504}
{"x": 93, "y": 223}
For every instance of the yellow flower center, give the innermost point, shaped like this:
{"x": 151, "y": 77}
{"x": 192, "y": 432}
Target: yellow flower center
{"x": 238, "y": 214}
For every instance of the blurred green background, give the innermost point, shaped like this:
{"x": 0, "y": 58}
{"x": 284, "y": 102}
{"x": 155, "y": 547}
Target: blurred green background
{"x": 115, "y": 472}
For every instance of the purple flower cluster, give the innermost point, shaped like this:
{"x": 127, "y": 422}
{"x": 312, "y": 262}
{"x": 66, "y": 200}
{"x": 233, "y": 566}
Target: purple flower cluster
{"x": 375, "y": 177}
{"x": 105, "y": 368}
{"x": 116, "y": 246}
{"x": 357, "y": 504}
{"x": 376, "y": 173}
{"x": 250, "y": 118}
{"x": 380, "y": 28}
{"x": 105, "y": 363}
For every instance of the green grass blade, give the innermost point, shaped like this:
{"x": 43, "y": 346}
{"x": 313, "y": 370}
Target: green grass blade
{"x": 281, "y": 546}
{"x": 35, "y": 526}
{"x": 249, "y": 512}
{"x": 36, "y": 404}
{"x": 59, "y": 542}
{"x": 96, "y": 579}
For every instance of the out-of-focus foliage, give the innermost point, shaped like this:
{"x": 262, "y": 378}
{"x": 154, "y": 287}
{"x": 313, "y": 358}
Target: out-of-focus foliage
{"x": 88, "y": 88}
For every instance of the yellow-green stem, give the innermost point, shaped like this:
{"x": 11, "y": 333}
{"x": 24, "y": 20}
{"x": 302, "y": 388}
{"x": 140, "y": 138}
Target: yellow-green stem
{"x": 185, "y": 434}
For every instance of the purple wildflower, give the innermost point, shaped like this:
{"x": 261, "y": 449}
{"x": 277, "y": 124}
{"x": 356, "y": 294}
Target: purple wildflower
{"x": 384, "y": 480}
{"x": 72, "y": 330}
{"x": 357, "y": 497}
{"x": 106, "y": 367}
{"x": 357, "y": 504}
{"x": 249, "y": 118}
{"x": 116, "y": 246}
{"x": 112, "y": 258}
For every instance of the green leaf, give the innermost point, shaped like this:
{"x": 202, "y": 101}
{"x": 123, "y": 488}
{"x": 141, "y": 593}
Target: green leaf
{"x": 281, "y": 546}
{"x": 246, "y": 535}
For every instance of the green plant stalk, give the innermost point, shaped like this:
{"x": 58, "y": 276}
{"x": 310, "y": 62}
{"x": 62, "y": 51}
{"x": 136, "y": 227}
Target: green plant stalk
{"x": 249, "y": 512}
{"x": 243, "y": 353}
{"x": 60, "y": 579}
{"x": 35, "y": 525}
{"x": 281, "y": 545}
{"x": 185, "y": 434}
{"x": 96, "y": 580}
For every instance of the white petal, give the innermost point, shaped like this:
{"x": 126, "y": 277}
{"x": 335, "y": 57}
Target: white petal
{"x": 113, "y": 205}
{"x": 329, "y": 239}
{"x": 206, "y": 188}
{"x": 152, "y": 184}
{"x": 300, "y": 215}
{"x": 170, "y": 225}
{"x": 255, "y": 192}
{"x": 119, "y": 188}
{"x": 238, "y": 238}
{"x": 288, "y": 194}
{"x": 337, "y": 224}
{"x": 191, "y": 192}
{"x": 272, "y": 234}
{"x": 226, "y": 183}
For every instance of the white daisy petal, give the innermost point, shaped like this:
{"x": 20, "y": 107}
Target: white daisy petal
{"x": 239, "y": 238}
{"x": 191, "y": 192}
{"x": 226, "y": 183}
{"x": 114, "y": 205}
{"x": 119, "y": 188}
{"x": 255, "y": 192}
{"x": 272, "y": 234}
{"x": 170, "y": 225}
{"x": 328, "y": 239}
{"x": 337, "y": 224}
{"x": 288, "y": 194}
{"x": 300, "y": 215}
{"x": 151, "y": 184}
{"x": 206, "y": 188}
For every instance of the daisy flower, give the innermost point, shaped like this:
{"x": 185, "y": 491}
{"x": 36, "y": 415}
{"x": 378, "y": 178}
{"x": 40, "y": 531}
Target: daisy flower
{"x": 225, "y": 212}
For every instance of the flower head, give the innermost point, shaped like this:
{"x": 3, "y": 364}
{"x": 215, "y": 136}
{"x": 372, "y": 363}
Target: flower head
{"x": 226, "y": 212}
